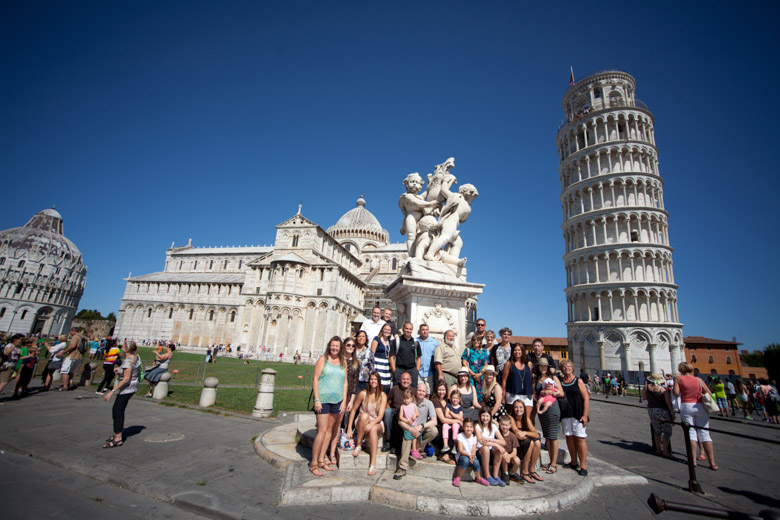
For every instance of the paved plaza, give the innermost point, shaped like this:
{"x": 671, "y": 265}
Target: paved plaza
{"x": 187, "y": 463}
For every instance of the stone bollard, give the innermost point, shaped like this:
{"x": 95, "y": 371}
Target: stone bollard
{"x": 161, "y": 388}
{"x": 93, "y": 367}
{"x": 264, "y": 405}
{"x": 209, "y": 394}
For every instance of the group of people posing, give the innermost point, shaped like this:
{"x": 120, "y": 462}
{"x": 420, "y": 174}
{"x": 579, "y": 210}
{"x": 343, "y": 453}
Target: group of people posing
{"x": 474, "y": 406}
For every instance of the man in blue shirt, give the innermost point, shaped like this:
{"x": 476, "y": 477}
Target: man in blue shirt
{"x": 427, "y": 347}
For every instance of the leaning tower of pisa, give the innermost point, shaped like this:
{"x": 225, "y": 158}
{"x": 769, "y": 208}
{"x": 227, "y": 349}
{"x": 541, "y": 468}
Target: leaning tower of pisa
{"x": 620, "y": 290}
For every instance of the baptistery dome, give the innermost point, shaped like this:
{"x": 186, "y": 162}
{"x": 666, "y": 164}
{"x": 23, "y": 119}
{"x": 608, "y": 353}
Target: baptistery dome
{"x": 360, "y": 226}
{"x": 42, "y": 276}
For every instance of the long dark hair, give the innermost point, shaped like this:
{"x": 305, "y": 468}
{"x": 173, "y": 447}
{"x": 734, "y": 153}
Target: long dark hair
{"x": 523, "y": 357}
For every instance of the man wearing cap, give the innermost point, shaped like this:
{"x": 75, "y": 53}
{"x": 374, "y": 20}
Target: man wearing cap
{"x": 446, "y": 359}
{"x": 537, "y": 353}
{"x": 425, "y": 430}
{"x": 72, "y": 360}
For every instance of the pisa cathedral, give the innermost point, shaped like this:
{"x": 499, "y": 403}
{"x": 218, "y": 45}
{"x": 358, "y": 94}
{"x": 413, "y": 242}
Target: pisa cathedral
{"x": 310, "y": 285}
{"x": 620, "y": 290}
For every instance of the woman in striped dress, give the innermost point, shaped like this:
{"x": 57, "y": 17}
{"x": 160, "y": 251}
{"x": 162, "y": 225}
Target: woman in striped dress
{"x": 380, "y": 346}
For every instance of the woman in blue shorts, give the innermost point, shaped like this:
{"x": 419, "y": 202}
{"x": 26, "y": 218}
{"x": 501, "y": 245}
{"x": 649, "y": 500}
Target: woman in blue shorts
{"x": 329, "y": 386}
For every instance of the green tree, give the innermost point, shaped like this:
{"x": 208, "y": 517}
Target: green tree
{"x": 89, "y": 314}
{"x": 111, "y": 316}
{"x": 772, "y": 360}
{"x": 753, "y": 360}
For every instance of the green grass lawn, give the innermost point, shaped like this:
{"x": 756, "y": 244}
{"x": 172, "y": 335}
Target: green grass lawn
{"x": 231, "y": 371}
{"x": 241, "y": 400}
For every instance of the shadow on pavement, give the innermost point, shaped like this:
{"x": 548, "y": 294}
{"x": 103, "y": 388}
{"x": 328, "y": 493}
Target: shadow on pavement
{"x": 132, "y": 430}
{"x": 758, "y": 498}
{"x": 641, "y": 447}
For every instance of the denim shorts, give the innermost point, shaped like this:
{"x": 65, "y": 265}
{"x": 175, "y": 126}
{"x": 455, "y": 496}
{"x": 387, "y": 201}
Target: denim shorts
{"x": 334, "y": 408}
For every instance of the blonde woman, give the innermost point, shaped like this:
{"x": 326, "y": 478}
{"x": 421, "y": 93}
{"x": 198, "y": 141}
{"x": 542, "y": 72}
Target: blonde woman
{"x": 690, "y": 390}
{"x": 124, "y": 390}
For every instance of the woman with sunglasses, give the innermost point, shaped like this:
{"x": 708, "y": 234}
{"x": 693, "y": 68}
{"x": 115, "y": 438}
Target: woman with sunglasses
{"x": 348, "y": 357}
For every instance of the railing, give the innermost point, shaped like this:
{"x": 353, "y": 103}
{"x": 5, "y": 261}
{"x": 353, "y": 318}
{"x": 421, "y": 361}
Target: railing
{"x": 606, "y": 105}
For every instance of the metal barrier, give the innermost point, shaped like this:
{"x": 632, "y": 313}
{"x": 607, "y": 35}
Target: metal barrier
{"x": 659, "y": 505}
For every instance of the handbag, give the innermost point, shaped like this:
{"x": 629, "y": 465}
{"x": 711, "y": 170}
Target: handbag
{"x": 709, "y": 403}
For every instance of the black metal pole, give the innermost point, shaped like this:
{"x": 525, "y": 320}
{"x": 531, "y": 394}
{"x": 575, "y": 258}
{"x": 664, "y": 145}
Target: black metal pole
{"x": 693, "y": 484}
{"x": 659, "y": 505}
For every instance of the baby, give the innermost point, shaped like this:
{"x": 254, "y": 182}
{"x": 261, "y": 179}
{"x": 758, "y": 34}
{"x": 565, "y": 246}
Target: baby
{"x": 547, "y": 396}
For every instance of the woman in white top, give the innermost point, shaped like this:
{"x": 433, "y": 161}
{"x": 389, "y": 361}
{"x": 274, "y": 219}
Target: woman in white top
{"x": 124, "y": 390}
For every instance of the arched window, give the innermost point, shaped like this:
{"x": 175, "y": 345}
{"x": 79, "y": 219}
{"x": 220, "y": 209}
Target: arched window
{"x": 18, "y": 288}
{"x": 348, "y": 247}
{"x": 211, "y": 264}
{"x": 190, "y": 317}
{"x": 712, "y": 359}
{"x": 693, "y": 359}
{"x": 239, "y": 263}
{"x": 20, "y": 264}
{"x": 295, "y": 241}
{"x": 395, "y": 264}
{"x": 149, "y": 313}
{"x": 714, "y": 372}
{"x": 2, "y": 312}
{"x": 170, "y": 313}
{"x": 195, "y": 265}
{"x": 2, "y": 261}
{"x": 211, "y": 315}
{"x": 232, "y": 316}
{"x": 728, "y": 360}
{"x": 24, "y": 313}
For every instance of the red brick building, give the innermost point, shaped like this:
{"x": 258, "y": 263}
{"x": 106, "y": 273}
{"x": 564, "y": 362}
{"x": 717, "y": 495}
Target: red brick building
{"x": 558, "y": 348}
{"x": 715, "y": 356}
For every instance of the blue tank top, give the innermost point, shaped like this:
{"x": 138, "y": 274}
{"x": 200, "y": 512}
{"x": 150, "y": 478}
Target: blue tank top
{"x": 519, "y": 381}
{"x": 331, "y": 383}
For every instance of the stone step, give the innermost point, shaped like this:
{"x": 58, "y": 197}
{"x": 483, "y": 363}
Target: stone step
{"x": 428, "y": 467}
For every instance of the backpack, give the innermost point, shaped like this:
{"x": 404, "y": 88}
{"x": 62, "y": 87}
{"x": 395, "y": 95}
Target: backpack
{"x": 83, "y": 347}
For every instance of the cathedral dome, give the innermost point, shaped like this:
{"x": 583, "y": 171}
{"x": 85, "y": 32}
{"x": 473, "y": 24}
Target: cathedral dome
{"x": 359, "y": 223}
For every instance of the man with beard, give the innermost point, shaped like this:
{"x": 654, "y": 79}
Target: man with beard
{"x": 446, "y": 359}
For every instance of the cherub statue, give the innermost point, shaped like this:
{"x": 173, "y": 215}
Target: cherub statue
{"x": 413, "y": 206}
{"x": 456, "y": 210}
{"x": 440, "y": 178}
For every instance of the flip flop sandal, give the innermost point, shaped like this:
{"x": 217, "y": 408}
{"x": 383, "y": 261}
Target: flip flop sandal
{"x": 356, "y": 451}
{"x": 371, "y": 471}
{"x": 113, "y": 444}
{"x": 315, "y": 470}
{"x": 326, "y": 466}
{"x": 534, "y": 475}
{"x": 527, "y": 478}
{"x": 551, "y": 469}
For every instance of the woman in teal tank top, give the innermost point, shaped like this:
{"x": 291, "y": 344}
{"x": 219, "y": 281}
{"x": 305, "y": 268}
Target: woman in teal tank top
{"x": 329, "y": 385}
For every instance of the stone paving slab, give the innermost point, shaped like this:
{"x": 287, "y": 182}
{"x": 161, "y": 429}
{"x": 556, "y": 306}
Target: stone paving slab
{"x": 427, "y": 486}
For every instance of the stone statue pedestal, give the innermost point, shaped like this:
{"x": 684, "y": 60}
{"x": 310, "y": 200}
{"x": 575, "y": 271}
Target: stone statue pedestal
{"x": 439, "y": 303}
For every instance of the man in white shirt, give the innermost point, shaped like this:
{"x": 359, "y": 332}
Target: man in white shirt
{"x": 374, "y": 325}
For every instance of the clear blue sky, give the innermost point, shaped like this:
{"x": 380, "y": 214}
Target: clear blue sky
{"x": 152, "y": 122}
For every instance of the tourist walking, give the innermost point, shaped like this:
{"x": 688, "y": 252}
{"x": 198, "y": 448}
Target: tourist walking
{"x": 55, "y": 362}
{"x": 574, "y": 417}
{"x": 329, "y": 387}
{"x": 692, "y": 411}
{"x": 109, "y": 365}
{"x": 661, "y": 412}
{"x": 124, "y": 390}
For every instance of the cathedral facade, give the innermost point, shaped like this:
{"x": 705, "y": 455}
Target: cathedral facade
{"x": 310, "y": 285}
